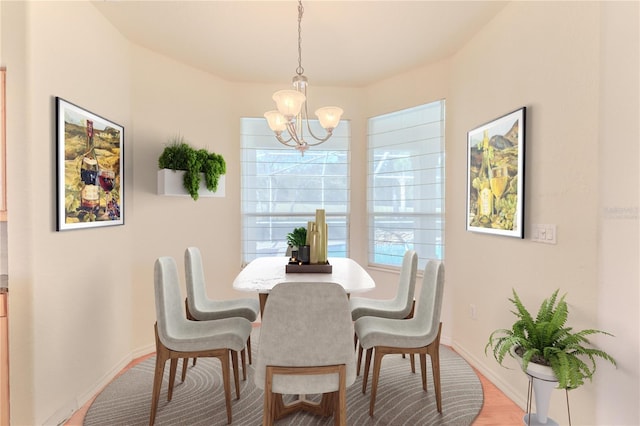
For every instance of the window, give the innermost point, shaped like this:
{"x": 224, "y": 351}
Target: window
{"x": 405, "y": 198}
{"x": 281, "y": 189}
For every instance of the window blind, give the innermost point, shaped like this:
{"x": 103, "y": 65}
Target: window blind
{"x": 405, "y": 194}
{"x": 282, "y": 189}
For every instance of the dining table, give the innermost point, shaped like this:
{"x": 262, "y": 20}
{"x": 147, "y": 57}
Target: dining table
{"x": 264, "y": 273}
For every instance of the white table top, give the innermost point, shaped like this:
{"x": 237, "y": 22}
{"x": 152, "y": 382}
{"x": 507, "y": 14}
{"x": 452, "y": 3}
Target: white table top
{"x": 263, "y": 273}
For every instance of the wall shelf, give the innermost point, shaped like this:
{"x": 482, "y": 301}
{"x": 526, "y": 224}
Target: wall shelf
{"x": 170, "y": 183}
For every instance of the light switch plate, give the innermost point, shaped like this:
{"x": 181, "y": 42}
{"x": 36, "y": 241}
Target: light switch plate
{"x": 544, "y": 233}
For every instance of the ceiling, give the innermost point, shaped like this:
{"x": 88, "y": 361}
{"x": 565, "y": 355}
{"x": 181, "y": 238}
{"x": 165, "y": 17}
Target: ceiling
{"x": 344, "y": 43}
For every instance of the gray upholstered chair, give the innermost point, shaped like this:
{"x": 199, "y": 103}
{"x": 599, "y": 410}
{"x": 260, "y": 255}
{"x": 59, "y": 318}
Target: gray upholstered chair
{"x": 306, "y": 348}
{"x": 201, "y": 308}
{"x": 418, "y": 335}
{"x": 401, "y": 306}
{"x": 177, "y": 337}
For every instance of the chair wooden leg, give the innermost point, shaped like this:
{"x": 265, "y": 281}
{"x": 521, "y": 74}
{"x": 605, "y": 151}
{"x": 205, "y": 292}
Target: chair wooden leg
{"x": 340, "y": 410}
{"x": 377, "y": 361}
{"x": 268, "y": 409}
{"x": 162, "y": 354}
{"x": 423, "y": 369}
{"x": 185, "y": 364}
{"x": 236, "y": 377}
{"x": 249, "y": 350}
{"x": 173, "y": 366}
{"x": 435, "y": 369}
{"x": 434, "y": 352}
{"x": 224, "y": 359}
{"x": 359, "y": 360}
{"x": 244, "y": 364}
{"x": 367, "y": 362}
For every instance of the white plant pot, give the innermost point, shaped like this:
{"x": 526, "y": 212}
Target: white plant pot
{"x": 170, "y": 183}
{"x": 544, "y": 382}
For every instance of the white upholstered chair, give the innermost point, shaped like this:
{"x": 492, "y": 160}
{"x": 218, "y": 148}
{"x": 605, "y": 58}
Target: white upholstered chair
{"x": 401, "y": 306}
{"x": 177, "y": 337}
{"x": 201, "y": 308}
{"x": 306, "y": 348}
{"x": 418, "y": 335}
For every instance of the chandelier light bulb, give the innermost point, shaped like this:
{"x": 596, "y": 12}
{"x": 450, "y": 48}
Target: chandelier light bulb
{"x": 329, "y": 117}
{"x": 277, "y": 122}
{"x": 289, "y": 102}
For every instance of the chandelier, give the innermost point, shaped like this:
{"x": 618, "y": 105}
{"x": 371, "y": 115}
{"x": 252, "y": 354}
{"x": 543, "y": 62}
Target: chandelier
{"x": 292, "y": 115}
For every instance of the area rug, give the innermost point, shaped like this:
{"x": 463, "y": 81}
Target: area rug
{"x": 200, "y": 399}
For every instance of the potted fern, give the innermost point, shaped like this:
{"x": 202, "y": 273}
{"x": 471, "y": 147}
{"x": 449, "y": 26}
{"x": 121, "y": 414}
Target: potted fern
{"x": 547, "y": 348}
{"x": 195, "y": 164}
{"x": 296, "y": 240}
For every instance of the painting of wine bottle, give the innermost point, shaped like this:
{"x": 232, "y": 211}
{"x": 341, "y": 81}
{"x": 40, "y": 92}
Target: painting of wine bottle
{"x": 90, "y": 168}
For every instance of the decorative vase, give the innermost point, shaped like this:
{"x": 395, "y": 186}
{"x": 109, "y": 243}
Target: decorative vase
{"x": 304, "y": 253}
{"x": 314, "y": 238}
{"x": 321, "y": 227}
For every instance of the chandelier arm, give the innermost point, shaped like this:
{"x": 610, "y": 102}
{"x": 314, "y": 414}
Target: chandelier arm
{"x": 283, "y": 141}
{"x": 291, "y": 128}
{"x": 319, "y": 139}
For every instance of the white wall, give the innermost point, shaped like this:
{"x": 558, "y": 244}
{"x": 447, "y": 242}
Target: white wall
{"x": 618, "y": 277}
{"x": 547, "y": 57}
{"x": 75, "y": 319}
{"x": 70, "y": 310}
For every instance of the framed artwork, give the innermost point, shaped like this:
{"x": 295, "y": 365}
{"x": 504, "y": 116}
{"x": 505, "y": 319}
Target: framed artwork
{"x": 90, "y": 180}
{"x": 495, "y": 176}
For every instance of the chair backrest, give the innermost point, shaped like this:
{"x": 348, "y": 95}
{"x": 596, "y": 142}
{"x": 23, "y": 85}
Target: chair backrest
{"x": 305, "y": 325}
{"x": 169, "y": 308}
{"x": 407, "y": 284}
{"x": 429, "y": 306}
{"x": 194, "y": 272}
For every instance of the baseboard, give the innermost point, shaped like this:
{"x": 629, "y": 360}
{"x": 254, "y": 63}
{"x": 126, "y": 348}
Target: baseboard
{"x": 145, "y": 350}
{"x": 446, "y": 340}
{"x": 505, "y": 387}
{"x": 60, "y": 416}
{"x": 65, "y": 412}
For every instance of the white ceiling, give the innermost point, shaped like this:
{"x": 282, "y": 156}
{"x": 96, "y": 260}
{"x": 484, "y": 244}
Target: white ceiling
{"x": 344, "y": 43}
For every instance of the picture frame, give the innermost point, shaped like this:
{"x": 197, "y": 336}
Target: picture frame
{"x": 90, "y": 164}
{"x": 495, "y": 176}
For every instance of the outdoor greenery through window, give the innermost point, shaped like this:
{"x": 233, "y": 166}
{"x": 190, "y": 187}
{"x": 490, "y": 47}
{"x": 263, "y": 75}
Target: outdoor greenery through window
{"x": 405, "y": 198}
{"x": 282, "y": 189}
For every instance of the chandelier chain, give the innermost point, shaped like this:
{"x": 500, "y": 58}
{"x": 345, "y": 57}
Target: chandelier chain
{"x": 300, "y": 70}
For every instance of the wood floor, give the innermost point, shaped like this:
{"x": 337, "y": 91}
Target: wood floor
{"x": 497, "y": 410}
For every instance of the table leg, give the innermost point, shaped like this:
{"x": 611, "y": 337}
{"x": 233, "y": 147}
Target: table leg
{"x": 263, "y": 301}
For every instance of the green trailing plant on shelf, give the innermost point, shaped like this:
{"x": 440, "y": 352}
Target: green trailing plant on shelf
{"x": 179, "y": 155}
{"x": 298, "y": 237}
{"x": 546, "y": 340}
